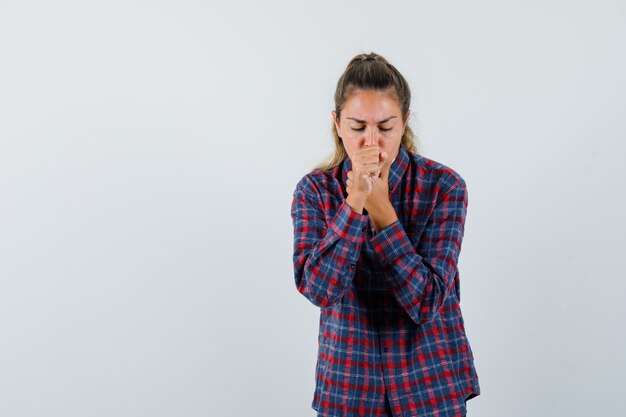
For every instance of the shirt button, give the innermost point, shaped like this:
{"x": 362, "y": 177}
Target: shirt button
{"x": 353, "y": 264}
{"x": 386, "y": 349}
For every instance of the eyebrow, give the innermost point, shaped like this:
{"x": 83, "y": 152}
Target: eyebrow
{"x": 363, "y": 121}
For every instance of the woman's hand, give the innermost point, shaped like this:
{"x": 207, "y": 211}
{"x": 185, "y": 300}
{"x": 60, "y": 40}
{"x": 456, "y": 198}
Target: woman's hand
{"x": 366, "y": 167}
{"x": 375, "y": 188}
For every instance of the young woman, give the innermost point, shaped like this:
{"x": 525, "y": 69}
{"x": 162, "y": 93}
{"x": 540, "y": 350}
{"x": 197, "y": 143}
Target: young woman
{"x": 377, "y": 236}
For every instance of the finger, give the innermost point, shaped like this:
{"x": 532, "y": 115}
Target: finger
{"x": 369, "y": 148}
{"x": 368, "y": 151}
{"x": 385, "y": 172}
{"x": 372, "y": 159}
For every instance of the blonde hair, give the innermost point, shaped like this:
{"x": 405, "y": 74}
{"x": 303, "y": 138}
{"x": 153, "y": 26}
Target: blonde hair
{"x": 370, "y": 72}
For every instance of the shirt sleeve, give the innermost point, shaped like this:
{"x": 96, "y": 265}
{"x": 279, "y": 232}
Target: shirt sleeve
{"x": 422, "y": 277}
{"x": 324, "y": 255}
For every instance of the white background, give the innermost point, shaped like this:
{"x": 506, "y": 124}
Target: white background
{"x": 149, "y": 152}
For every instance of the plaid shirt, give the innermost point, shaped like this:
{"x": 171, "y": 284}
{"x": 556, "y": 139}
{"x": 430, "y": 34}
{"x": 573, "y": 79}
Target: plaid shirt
{"x": 390, "y": 319}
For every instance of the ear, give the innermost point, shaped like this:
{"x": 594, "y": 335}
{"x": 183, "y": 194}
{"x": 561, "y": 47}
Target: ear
{"x": 333, "y": 114}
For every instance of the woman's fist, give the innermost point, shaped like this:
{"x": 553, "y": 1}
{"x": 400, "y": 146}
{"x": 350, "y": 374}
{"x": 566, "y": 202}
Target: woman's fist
{"x": 366, "y": 167}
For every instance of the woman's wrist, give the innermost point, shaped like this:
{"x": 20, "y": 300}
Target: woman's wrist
{"x": 355, "y": 203}
{"x": 383, "y": 218}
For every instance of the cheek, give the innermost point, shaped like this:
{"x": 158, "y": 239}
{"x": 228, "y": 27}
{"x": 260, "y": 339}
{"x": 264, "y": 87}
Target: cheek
{"x": 395, "y": 139}
{"x": 351, "y": 141}
{"x": 349, "y": 133}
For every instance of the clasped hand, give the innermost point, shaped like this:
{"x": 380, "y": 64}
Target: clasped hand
{"x": 368, "y": 184}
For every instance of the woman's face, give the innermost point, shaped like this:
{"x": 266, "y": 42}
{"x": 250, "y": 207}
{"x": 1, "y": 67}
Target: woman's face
{"x": 371, "y": 117}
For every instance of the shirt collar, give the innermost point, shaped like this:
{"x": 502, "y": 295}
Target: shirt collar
{"x": 398, "y": 167}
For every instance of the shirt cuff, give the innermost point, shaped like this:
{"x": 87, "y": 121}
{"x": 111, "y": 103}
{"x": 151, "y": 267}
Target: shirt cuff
{"x": 349, "y": 224}
{"x": 391, "y": 242}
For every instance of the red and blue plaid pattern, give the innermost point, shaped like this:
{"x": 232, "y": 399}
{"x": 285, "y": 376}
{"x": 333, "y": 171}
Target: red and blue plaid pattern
{"x": 390, "y": 319}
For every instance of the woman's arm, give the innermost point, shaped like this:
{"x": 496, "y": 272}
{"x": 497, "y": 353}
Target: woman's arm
{"x": 324, "y": 256}
{"x": 421, "y": 278}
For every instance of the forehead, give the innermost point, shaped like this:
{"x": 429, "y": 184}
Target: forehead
{"x": 371, "y": 104}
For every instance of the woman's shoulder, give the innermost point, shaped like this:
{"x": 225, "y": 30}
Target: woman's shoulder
{"x": 316, "y": 180}
{"x": 437, "y": 173}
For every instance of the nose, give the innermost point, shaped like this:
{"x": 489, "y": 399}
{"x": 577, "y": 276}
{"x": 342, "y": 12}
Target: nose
{"x": 371, "y": 138}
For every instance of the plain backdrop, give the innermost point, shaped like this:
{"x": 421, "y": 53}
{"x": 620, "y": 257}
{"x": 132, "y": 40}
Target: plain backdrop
{"x": 148, "y": 155}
